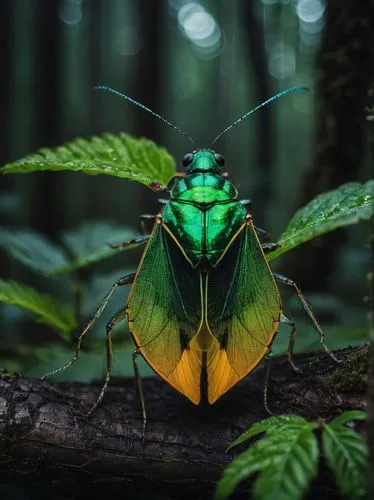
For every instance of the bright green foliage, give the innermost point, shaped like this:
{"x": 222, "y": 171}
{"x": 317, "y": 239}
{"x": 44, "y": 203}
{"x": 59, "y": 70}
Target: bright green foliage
{"x": 294, "y": 454}
{"x": 264, "y": 426}
{"x": 87, "y": 244}
{"x": 349, "y": 416}
{"x": 346, "y": 205}
{"x": 346, "y": 454}
{"x": 286, "y": 459}
{"x": 46, "y": 309}
{"x": 119, "y": 155}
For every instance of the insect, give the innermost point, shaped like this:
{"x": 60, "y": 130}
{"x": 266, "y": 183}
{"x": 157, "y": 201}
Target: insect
{"x": 204, "y": 306}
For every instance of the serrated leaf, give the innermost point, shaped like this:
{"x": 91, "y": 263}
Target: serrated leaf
{"x": 46, "y": 309}
{"x": 346, "y": 454}
{"x": 119, "y": 155}
{"x": 90, "y": 243}
{"x": 343, "y": 206}
{"x": 241, "y": 468}
{"x": 289, "y": 456}
{"x": 33, "y": 249}
{"x": 348, "y": 416}
{"x": 294, "y": 463}
{"x": 264, "y": 425}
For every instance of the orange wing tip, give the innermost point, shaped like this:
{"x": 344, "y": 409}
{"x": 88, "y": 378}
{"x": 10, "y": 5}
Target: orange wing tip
{"x": 185, "y": 378}
{"x": 222, "y": 376}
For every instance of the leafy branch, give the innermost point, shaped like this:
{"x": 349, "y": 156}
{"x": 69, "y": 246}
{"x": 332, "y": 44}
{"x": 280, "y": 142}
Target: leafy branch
{"x": 142, "y": 161}
{"x": 119, "y": 155}
{"x": 44, "y": 308}
{"x": 286, "y": 458}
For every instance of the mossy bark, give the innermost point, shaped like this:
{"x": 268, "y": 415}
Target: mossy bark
{"x": 47, "y": 446}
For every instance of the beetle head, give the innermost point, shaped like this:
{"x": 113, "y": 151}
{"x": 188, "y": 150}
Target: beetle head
{"x": 203, "y": 160}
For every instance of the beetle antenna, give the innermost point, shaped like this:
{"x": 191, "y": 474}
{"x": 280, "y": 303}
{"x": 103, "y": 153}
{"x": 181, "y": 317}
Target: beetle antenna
{"x": 127, "y": 98}
{"x": 265, "y": 103}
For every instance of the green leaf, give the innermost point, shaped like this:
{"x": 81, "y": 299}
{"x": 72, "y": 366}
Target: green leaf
{"x": 90, "y": 243}
{"x": 346, "y": 454}
{"x": 33, "y": 249}
{"x": 270, "y": 423}
{"x": 294, "y": 456}
{"x": 286, "y": 459}
{"x": 346, "y": 205}
{"x": 119, "y": 155}
{"x": 252, "y": 460}
{"x": 348, "y": 416}
{"x": 86, "y": 245}
{"x": 46, "y": 309}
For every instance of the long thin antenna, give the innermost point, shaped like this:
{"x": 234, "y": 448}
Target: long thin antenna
{"x": 265, "y": 103}
{"x": 127, "y": 98}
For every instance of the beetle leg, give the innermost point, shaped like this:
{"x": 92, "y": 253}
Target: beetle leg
{"x": 267, "y": 383}
{"x": 139, "y": 240}
{"x": 125, "y": 280}
{"x": 163, "y": 201}
{"x": 288, "y": 321}
{"x": 142, "y": 221}
{"x": 139, "y": 388}
{"x": 309, "y": 312}
{"x": 262, "y": 232}
{"x": 246, "y": 203}
{"x": 269, "y": 247}
{"x": 120, "y": 315}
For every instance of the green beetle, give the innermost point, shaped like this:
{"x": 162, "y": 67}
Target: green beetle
{"x": 204, "y": 307}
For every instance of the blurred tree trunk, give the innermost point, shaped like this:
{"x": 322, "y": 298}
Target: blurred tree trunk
{"x": 5, "y": 82}
{"x": 95, "y": 12}
{"x": 344, "y": 74}
{"x": 254, "y": 32}
{"x": 149, "y": 78}
{"x": 370, "y": 120}
{"x": 5, "y": 126}
{"x": 47, "y": 219}
{"x": 150, "y": 66}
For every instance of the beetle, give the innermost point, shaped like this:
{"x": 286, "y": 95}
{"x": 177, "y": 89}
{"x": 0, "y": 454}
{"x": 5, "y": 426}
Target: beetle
{"x": 204, "y": 307}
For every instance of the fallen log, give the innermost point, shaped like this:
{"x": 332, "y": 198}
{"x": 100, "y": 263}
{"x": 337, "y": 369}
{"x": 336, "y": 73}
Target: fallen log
{"x": 48, "y": 446}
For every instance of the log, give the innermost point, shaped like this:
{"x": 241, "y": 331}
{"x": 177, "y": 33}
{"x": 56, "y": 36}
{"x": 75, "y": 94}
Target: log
{"x": 49, "y": 446}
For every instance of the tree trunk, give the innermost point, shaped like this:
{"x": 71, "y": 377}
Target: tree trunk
{"x": 48, "y": 446}
{"x": 344, "y": 75}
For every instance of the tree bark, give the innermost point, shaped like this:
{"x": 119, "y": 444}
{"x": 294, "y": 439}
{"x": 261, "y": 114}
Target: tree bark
{"x": 48, "y": 445}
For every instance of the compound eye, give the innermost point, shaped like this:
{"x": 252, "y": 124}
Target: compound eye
{"x": 187, "y": 159}
{"x": 219, "y": 159}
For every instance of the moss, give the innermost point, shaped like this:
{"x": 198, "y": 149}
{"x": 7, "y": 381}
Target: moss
{"x": 353, "y": 374}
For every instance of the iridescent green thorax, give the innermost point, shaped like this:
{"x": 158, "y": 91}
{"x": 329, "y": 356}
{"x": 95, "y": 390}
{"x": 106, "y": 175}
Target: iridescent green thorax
{"x": 204, "y": 212}
{"x": 203, "y": 188}
{"x": 204, "y": 161}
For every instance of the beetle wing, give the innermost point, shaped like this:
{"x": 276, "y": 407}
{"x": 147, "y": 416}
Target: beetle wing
{"x": 164, "y": 313}
{"x": 243, "y": 311}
